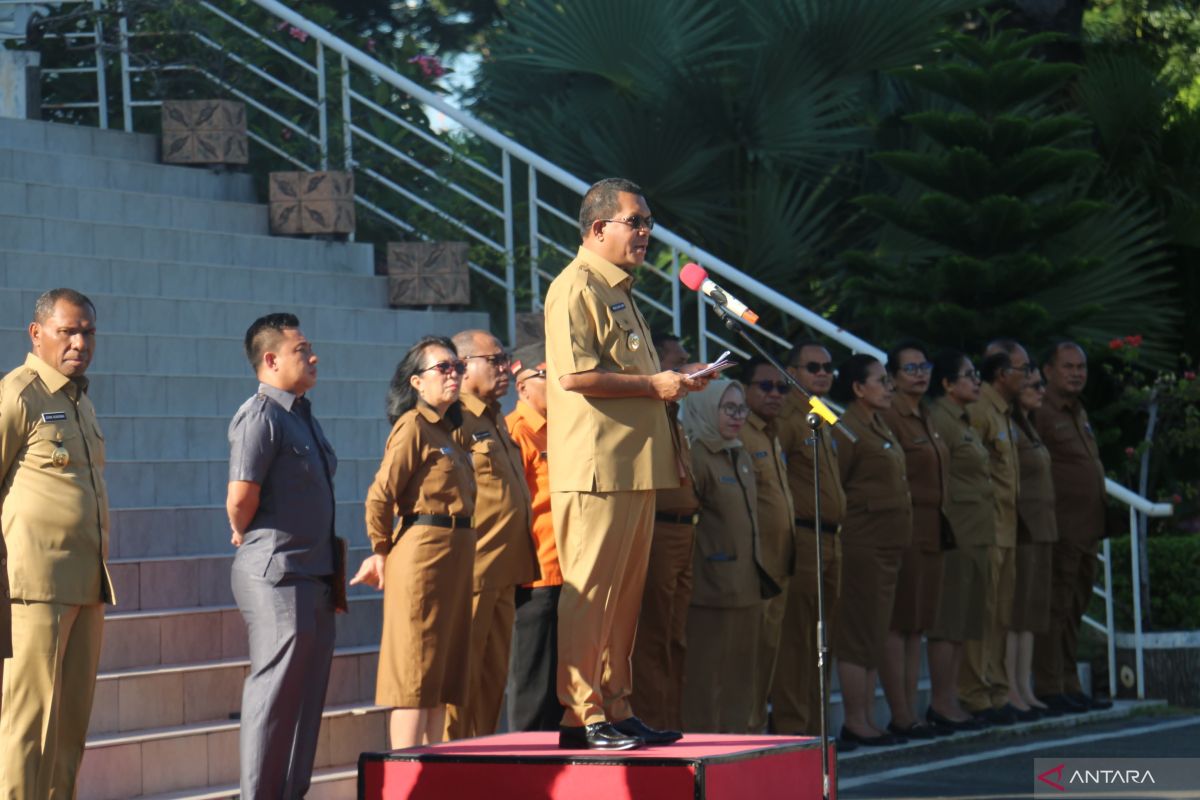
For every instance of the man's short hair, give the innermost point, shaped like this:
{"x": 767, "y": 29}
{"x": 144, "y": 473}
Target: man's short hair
{"x": 43, "y": 307}
{"x": 993, "y": 365}
{"x": 601, "y": 201}
{"x": 265, "y": 332}
{"x": 750, "y": 366}
{"x": 793, "y": 356}
{"x": 1050, "y": 357}
{"x": 1003, "y": 345}
{"x": 660, "y": 338}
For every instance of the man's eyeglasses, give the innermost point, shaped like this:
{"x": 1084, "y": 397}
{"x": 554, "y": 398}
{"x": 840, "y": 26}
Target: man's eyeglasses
{"x": 1028, "y": 369}
{"x": 537, "y": 373}
{"x": 973, "y": 374}
{"x": 817, "y": 367}
{"x": 914, "y": 369}
{"x": 446, "y": 367}
{"x": 766, "y": 386}
{"x": 635, "y": 221}
{"x": 735, "y": 410}
{"x": 495, "y": 359}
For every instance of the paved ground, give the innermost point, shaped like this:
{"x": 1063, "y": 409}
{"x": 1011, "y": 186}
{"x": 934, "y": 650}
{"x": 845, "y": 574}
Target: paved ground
{"x": 1001, "y": 765}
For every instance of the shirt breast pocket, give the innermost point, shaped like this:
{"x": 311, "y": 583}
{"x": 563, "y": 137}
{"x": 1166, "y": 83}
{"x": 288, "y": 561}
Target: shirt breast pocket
{"x": 483, "y": 454}
{"x": 56, "y": 446}
{"x": 627, "y": 344}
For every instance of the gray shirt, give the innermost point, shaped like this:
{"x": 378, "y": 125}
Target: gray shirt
{"x": 273, "y": 444}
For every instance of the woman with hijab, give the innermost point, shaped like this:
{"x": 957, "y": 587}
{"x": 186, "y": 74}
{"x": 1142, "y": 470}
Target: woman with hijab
{"x": 876, "y": 531}
{"x": 725, "y": 614}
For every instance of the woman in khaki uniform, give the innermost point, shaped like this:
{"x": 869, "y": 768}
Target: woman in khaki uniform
{"x": 968, "y": 507}
{"x": 426, "y": 564}
{"x": 877, "y": 529}
{"x": 1037, "y": 530}
{"x": 725, "y": 614}
{"x": 919, "y": 586}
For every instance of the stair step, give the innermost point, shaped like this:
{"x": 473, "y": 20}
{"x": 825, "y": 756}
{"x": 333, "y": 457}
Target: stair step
{"x": 102, "y": 172}
{"x": 145, "y": 584}
{"x": 42, "y": 199}
{"x": 137, "y": 639}
{"x": 56, "y": 139}
{"x": 111, "y": 240}
{"x": 187, "y": 280}
{"x": 137, "y": 699}
{"x": 206, "y": 754}
{"x": 333, "y": 783}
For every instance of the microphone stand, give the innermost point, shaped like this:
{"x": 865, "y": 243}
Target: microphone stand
{"x": 814, "y": 420}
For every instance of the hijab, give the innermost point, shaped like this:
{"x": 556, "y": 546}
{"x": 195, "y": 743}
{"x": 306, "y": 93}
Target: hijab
{"x": 700, "y": 411}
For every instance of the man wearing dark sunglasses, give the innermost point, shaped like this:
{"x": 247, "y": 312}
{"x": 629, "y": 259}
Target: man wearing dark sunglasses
{"x": 504, "y": 553}
{"x": 795, "y": 690}
{"x": 612, "y": 446}
{"x": 766, "y": 391}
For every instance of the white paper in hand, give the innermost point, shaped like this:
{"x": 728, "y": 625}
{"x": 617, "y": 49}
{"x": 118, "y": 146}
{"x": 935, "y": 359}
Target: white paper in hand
{"x": 724, "y": 362}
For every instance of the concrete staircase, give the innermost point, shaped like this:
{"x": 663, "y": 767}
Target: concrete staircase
{"x": 178, "y": 262}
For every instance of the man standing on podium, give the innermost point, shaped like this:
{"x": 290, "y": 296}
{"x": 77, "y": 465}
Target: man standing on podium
{"x": 612, "y": 445}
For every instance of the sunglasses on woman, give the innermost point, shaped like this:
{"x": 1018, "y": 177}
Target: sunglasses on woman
{"x": 447, "y": 367}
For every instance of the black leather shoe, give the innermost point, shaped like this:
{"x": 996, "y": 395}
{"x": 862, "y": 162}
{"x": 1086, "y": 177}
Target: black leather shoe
{"x": 939, "y": 721}
{"x": 882, "y": 740}
{"x": 1005, "y": 715}
{"x": 635, "y": 727}
{"x": 1089, "y": 703}
{"x": 597, "y": 736}
{"x": 1029, "y": 715}
{"x": 914, "y": 731}
{"x": 1063, "y": 704}
{"x": 1101, "y": 702}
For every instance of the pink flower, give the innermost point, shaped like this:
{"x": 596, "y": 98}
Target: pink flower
{"x": 370, "y": 45}
{"x": 1130, "y": 452}
{"x": 297, "y": 34}
{"x": 430, "y": 66}
{"x": 1134, "y": 340}
{"x": 286, "y": 134}
{"x": 1176, "y": 499}
{"x": 1115, "y": 344}
{"x": 1189, "y": 376}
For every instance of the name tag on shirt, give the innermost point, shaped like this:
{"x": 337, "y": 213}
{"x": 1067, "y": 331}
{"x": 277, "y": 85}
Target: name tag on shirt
{"x": 446, "y": 451}
{"x": 728, "y": 479}
{"x": 54, "y": 416}
{"x": 1002, "y": 436}
{"x": 887, "y": 445}
{"x": 761, "y": 454}
{"x": 617, "y": 306}
{"x": 480, "y": 436}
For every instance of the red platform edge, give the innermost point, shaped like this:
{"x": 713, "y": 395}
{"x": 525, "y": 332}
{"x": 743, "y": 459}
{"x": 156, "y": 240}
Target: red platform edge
{"x": 519, "y": 766}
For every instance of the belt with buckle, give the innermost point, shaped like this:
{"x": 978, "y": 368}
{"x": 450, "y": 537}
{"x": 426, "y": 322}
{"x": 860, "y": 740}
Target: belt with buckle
{"x": 435, "y": 520}
{"x": 678, "y": 519}
{"x": 826, "y": 527}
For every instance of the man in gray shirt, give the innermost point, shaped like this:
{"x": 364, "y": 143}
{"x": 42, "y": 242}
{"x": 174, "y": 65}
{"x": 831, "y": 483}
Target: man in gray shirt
{"x": 281, "y": 510}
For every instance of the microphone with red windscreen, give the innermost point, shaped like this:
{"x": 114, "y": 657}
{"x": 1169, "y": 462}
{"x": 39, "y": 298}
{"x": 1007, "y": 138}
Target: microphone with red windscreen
{"x": 695, "y": 277}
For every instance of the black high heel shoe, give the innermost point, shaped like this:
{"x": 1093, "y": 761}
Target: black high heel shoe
{"x": 882, "y": 740}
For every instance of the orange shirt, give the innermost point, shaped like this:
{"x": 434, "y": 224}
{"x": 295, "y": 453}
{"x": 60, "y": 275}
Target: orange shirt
{"x": 528, "y": 429}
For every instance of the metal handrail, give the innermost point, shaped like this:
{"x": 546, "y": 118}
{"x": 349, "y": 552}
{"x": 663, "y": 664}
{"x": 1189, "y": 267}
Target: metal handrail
{"x": 538, "y": 207}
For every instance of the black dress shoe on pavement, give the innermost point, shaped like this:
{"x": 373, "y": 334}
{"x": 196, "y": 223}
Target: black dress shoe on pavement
{"x": 1048, "y": 711}
{"x": 1028, "y": 715}
{"x": 635, "y": 727}
{"x": 939, "y": 721}
{"x": 1004, "y": 715}
{"x": 1064, "y": 704}
{"x": 1089, "y": 703}
{"x": 882, "y": 740}
{"x": 914, "y": 731}
{"x": 597, "y": 736}
{"x": 1101, "y": 702}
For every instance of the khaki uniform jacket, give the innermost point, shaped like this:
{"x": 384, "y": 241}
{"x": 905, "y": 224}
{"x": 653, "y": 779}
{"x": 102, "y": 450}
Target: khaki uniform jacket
{"x": 680, "y": 500}
{"x": 796, "y": 439}
{"x": 54, "y": 515}
{"x": 991, "y": 417}
{"x": 1075, "y": 464}
{"x": 776, "y": 514}
{"x": 927, "y": 462}
{"x": 505, "y": 554}
{"x": 603, "y": 444}
{"x": 874, "y": 474}
{"x": 1035, "y": 507}
{"x": 970, "y": 508}
{"x": 725, "y": 561}
{"x": 423, "y": 471}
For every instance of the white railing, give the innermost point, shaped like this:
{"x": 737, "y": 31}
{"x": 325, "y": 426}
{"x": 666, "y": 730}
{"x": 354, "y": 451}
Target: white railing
{"x": 552, "y": 195}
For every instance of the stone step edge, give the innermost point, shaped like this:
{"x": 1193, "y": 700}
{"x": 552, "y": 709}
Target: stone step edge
{"x": 302, "y": 240}
{"x": 74, "y": 187}
{"x": 113, "y": 133}
{"x": 185, "y": 264}
{"x": 100, "y": 741}
{"x": 196, "y": 556}
{"x": 170, "y": 168}
{"x": 216, "y": 663}
{"x": 177, "y": 611}
{"x": 231, "y": 790}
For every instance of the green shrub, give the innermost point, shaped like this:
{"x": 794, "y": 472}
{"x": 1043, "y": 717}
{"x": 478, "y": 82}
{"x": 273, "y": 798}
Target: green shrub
{"x": 1174, "y": 600}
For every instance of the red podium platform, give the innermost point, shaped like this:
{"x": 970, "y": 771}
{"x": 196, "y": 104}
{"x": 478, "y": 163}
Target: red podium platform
{"x": 524, "y": 766}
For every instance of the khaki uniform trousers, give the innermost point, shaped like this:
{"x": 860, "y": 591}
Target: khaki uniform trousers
{"x": 603, "y": 549}
{"x": 492, "y": 614}
{"x": 982, "y": 681}
{"x": 796, "y": 687}
{"x": 48, "y": 688}
{"x": 1073, "y": 568}
{"x": 770, "y": 635}
{"x": 661, "y": 648}
{"x": 719, "y": 690}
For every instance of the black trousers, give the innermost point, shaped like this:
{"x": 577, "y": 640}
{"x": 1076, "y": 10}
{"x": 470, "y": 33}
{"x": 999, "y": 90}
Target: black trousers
{"x": 532, "y": 695}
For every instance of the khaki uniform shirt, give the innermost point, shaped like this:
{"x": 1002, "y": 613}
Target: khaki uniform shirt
{"x": 970, "y": 508}
{"x": 927, "y": 462}
{"x": 796, "y": 439}
{"x": 1075, "y": 464}
{"x": 682, "y": 499}
{"x": 528, "y": 429}
{"x": 991, "y": 417}
{"x": 54, "y": 514}
{"x": 725, "y": 566}
{"x": 776, "y": 514}
{"x": 504, "y": 554}
{"x": 423, "y": 471}
{"x": 874, "y": 474}
{"x": 1035, "y": 507}
{"x": 603, "y": 444}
